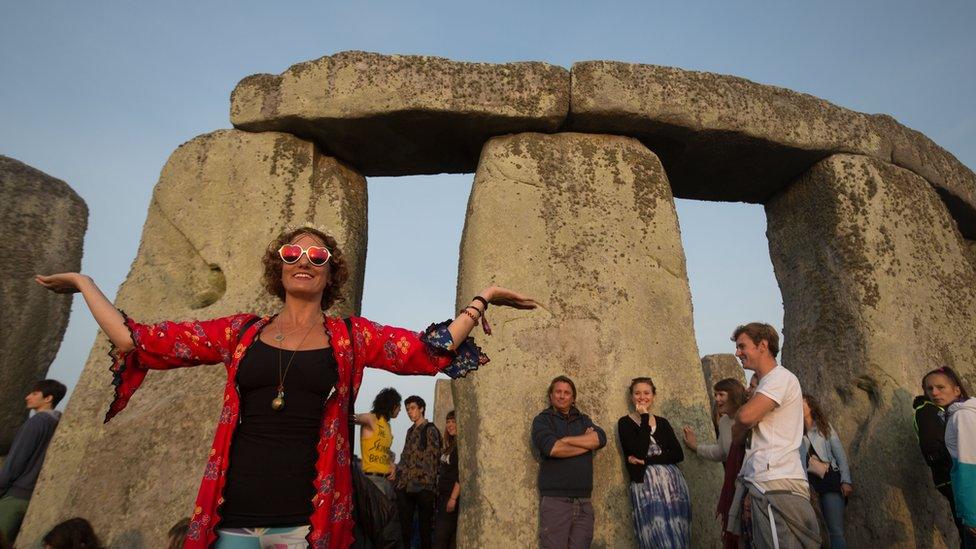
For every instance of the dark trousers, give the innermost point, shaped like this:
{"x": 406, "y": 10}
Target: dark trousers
{"x": 423, "y": 503}
{"x": 946, "y": 491}
{"x": 445, "y": 526}
{"x": 565, "y": 523}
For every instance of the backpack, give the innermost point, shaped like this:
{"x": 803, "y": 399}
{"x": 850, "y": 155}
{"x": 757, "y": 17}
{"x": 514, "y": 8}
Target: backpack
{"x": 423, "y": 435}
{"x": 375, "y": 514}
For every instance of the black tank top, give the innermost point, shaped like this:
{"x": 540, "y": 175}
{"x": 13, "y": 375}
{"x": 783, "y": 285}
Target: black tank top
{"x": 272, "y": 457}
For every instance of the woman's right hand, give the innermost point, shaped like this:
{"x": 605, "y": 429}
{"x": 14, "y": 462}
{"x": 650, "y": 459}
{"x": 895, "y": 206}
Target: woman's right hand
{"x": 109, "y": 319}
{"x": 503, "y": 297}
{"x": 634, "y": 460}
{"x": 691, "y": 441}
{"x": 61, "y": 283}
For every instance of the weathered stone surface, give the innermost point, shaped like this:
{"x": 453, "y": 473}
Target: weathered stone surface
{"x": 443, "y": 402}
{"x": 403, "y": 114}
{"x": 726, "y": 138}
{"x": 716, "y": 368}
{"x": 587, "y": 225}
{"x": 220, "y": 199}
{"x": 43, "y": 225}
{"x": 952, "y": 179}
{"x": 877, "y": 290}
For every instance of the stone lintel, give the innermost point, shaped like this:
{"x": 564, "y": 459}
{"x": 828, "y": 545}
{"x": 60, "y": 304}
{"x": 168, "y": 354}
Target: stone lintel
{"x": 726, "y": 138}
{"x": 392, "y": 115}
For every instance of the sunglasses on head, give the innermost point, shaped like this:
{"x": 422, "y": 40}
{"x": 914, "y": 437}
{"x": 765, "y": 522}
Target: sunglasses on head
{"x": 317, "y": 255}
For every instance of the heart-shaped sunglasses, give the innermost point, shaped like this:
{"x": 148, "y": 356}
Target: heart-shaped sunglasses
{"x": 317, "y": 255}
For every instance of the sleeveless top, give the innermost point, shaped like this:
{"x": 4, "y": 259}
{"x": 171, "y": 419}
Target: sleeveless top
{"x": 272, "y": 457}
{"x": 376, "y": 448}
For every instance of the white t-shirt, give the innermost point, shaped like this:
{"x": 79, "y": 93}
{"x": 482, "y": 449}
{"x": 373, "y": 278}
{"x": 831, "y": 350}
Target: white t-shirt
{"x": 774, "y": 452}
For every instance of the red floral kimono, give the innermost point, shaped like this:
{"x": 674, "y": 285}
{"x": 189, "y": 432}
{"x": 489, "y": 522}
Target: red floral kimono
{"x": 180, "y": 344}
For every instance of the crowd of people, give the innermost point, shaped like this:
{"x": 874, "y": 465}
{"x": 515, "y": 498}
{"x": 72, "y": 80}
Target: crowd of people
{"x": 281, "y": 469}
{"x": 424, "y": 483}
{"x": 780, "y": 454}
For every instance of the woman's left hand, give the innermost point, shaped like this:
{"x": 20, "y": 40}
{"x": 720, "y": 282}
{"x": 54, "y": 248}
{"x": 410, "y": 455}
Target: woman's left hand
{"x": 503, "y": 297}
{"x": 846, "y": 490}
{"x": 451, "y": 505}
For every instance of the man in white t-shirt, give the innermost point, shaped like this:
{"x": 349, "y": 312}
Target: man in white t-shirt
{"x": 771, "y": 425}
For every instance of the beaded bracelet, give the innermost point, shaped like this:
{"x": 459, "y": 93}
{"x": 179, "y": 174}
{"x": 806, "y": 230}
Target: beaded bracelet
{"x": 465, "y": 311}
{"x": 481, "y": 314}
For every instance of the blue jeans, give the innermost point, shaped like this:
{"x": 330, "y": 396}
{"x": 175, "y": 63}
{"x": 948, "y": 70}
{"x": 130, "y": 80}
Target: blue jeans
{"x": 262, "y": 538}
{"x": 832, "y": 506}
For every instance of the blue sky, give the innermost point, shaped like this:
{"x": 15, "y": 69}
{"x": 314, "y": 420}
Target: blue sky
{"x": 100, "y": 93}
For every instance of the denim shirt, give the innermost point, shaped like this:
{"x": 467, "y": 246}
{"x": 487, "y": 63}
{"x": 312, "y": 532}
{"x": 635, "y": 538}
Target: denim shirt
{"x": 829, "y": 450}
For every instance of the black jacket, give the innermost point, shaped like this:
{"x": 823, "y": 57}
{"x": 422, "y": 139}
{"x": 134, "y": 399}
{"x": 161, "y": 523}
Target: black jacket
{"x": 570, "y": 477}
{"x": 930, "y": 424}
{"x": 635, "y": 441}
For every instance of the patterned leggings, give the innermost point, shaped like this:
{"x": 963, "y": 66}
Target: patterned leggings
{"x": 262, "y": 538}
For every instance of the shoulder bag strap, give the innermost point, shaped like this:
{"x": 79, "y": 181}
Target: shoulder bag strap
{"x": 352, "y": 379}
{"x": 250, "y": 322}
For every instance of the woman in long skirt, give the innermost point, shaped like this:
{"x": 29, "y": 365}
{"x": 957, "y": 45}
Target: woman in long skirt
{"x": 662, "y": 506}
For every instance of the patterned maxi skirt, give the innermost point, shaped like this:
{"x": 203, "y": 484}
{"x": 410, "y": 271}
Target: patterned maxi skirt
{"x": 662, "y": 509}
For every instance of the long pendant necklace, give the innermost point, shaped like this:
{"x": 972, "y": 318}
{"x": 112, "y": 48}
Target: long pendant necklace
{"x": 279, "y": 401}
{"x": 279, "y": 337}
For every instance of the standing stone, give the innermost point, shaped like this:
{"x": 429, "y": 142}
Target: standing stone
{"x": 716, "y": 368}
{"x": 220, "y": 200}
{"x": 877, "y": 291}
{"x": 43, "y": 225}
{"x": 443, "y": 402}
{"x": 586, "y": 224}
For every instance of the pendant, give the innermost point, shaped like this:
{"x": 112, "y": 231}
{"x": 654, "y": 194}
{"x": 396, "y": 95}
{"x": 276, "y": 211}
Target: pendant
{"x": 279, "y": 402}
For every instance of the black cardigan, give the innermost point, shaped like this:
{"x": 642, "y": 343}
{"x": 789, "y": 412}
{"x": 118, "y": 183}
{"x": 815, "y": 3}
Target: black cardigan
{"x": 636, "y": 440}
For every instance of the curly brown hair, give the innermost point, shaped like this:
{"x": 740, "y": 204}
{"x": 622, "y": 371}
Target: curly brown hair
{"x": 338, "y": 271}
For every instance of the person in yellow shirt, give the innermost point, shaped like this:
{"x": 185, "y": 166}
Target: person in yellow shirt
{"x": 376, "y": 438}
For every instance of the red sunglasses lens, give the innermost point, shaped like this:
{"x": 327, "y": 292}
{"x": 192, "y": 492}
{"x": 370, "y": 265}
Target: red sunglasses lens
{"x": 290, "y": 253}
{"x": 317, "y": 255}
